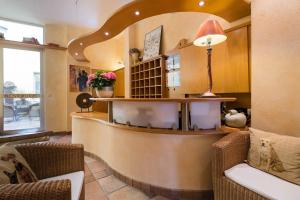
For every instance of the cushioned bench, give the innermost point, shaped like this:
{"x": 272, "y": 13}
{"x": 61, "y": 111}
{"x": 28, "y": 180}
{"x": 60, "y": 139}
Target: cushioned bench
{"x": 265, "y": 184}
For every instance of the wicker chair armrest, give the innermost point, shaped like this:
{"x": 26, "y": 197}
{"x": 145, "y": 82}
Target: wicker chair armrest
{"x": 52, "y": 159}
{"x": 230, "y": 151}
{"x": 49, "y": 190}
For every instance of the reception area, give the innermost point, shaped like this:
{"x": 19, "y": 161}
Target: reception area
{"x": 150, "y": 100}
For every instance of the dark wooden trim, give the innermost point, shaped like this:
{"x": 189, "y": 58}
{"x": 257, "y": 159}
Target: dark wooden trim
{"x": 152, "y": 190}
{"x": 34, "y": 135}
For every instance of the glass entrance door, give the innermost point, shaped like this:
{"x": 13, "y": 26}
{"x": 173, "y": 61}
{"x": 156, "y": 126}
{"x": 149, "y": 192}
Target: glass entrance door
{"x": 21, "y": 90}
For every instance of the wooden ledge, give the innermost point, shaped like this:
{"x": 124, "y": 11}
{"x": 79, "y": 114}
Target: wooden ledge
{"x": 27, "y": 136}
{"x": 28, "y": 45}
{"x": 103, "y": 118}
{"x": 179, "y": 100}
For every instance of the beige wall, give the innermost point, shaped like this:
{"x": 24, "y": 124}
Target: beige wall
{"x": 176, "y": 26}
{"x": 276, "y": 66}
{"x": 108, "y": 55}
{"x": 58, "y": 100}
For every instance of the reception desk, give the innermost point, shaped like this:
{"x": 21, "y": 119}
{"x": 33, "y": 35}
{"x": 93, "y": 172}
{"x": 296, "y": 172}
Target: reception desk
{"x": 166, "y": 156}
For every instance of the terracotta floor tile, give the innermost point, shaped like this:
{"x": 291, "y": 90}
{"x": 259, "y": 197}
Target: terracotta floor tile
{"x": 93, "y": 191}
{"x": 110, "y": 184}
{"x": 88, "y": 159}
{"x": 96, "y": 166}
{"x": 88, "y": 179}
{"x": 102, "y": 174}
{"x": 87, "y": 171}
{"x": 127, "y": 193}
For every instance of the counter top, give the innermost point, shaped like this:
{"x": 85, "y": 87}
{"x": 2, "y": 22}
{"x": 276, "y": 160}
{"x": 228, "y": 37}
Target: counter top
{"x": 180, "y": 100}
{"x": 103, "y": 118}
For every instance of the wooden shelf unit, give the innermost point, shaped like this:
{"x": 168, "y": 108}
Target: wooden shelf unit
{"x": 148, "y": 78}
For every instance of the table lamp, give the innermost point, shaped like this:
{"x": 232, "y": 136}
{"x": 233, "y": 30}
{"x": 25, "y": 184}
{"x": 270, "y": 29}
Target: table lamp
{"x": 210, "y": 33}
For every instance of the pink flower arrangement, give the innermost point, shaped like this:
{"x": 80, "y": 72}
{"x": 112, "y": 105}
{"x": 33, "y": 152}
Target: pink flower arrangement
{"x": 101, "y": 79}
{"x": 109, "y": 75}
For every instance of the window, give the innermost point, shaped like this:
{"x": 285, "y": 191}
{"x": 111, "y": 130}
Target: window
{"x": 21, "y": 79}
{"x": 16, "y": 31}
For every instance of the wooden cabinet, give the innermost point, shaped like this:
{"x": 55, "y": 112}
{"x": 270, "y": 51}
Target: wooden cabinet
{"x": 230, "y": 66}
{"x": 230, "y": 63}
{"x": 148, "y": 78}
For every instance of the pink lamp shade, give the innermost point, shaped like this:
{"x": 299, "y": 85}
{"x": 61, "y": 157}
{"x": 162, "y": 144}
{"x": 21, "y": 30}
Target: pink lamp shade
{"x": 210, "y": 33}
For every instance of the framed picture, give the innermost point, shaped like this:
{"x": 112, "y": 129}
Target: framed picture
{"x": 152, "y": 43}
{"x": 78, "y": 78}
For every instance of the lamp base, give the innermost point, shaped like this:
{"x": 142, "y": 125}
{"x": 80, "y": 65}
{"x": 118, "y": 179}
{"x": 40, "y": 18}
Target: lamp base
{"x": 209, "y": 94}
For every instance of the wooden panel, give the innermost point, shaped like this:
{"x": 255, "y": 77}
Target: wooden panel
{"x": 230, "y": 63}
{"x": 100, "y": 106}
{"x": 119, "y": 88}
{"x": 230, "y": 10}
{"x": 230, "y": 66}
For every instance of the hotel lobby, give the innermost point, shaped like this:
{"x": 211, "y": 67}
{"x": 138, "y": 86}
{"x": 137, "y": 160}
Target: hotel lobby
{"x": 149, "y": 100}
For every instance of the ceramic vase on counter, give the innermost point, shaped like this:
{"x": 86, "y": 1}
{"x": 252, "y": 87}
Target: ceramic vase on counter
{"x": 105, "y": 92}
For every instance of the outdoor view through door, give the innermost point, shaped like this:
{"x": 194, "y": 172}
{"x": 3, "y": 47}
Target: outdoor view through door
{"x": 21, "y": 89}
{"x": 21, "y": 81}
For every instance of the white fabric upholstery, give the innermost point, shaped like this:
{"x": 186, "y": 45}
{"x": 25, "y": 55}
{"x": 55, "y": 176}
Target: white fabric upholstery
{"x": 265, "y": 184}
{"x": 76, "y": 179}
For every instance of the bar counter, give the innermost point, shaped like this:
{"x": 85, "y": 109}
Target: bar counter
{"x": 171, "y": 158}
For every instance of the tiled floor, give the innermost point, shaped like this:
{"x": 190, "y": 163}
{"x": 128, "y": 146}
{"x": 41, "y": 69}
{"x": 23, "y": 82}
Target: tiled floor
{"x": 100, "y": 184}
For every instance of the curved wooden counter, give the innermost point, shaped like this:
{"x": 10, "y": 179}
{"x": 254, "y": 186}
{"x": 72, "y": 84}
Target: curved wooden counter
{"x": 169, "y": 159}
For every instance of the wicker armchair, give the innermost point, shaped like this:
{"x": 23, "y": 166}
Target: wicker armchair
{"x": 228, "y": 152}
{"x": 47, "y": 160}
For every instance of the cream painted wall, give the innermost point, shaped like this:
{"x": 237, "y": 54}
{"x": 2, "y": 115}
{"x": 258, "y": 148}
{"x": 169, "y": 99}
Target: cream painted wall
{"x": 107, "y": 55}
{"x": 276, "y": 66}
{"x": 58, "y": 100}
{"x": 176, "y": 26}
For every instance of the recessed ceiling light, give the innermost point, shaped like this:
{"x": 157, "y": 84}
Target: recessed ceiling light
{"x": 81, "y": 43}
{"x": 106, "y": 33}
{"x": 137, "y": 13}
{"x": 201, "y": 3}
{"x": 76, "y": 54}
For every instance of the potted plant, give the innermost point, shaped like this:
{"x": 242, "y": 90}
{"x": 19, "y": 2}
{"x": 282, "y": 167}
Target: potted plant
{"x": 135, "y": 54}
{"x": 103, "y": 83}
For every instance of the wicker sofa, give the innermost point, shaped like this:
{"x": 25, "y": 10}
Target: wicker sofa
{"x": 228, "y": 152}
{"x": 47, "y": 160}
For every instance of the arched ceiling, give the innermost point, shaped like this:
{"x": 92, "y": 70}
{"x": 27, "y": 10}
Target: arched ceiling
{"x": 230, "y": 10}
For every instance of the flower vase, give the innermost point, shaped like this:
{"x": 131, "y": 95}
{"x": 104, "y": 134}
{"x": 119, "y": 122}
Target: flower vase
{"x": 105, "y": 92}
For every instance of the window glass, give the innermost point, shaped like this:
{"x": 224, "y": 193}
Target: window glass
{"x": 16, "y": 31}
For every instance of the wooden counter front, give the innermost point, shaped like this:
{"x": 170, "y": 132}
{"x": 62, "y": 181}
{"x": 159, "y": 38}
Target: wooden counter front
{"x": 103, "y": 118}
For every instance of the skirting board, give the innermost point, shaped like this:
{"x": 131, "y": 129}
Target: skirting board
{"x": 152, "y": 190}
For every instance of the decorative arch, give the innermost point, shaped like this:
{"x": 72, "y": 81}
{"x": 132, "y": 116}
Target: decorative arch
{"x": 230, "y": 10}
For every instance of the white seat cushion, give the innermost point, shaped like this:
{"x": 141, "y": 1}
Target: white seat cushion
{"x": 265, "y": 184}
{"x": 76, "y": 179}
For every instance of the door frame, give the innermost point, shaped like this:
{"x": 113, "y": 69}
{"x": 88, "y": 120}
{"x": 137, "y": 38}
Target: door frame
{"x": 42, "y": 112}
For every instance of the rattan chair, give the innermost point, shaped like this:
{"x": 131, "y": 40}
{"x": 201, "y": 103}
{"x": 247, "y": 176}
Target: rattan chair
{"x": 47, "y": 160}
{"x": 228, "y": 152}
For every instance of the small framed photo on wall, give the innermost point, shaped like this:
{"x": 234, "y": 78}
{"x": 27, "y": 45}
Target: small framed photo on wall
{"x": 152, "y": 43}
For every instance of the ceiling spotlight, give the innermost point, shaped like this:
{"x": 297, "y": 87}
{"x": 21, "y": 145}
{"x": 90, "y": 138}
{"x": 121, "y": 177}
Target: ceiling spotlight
{"x": 81, "y": 44}
{"x": 201, "y": 3}
{"x": 106, "y": 33}
{"x": 137, "y": 13}
{"x": 76, "y": 54}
